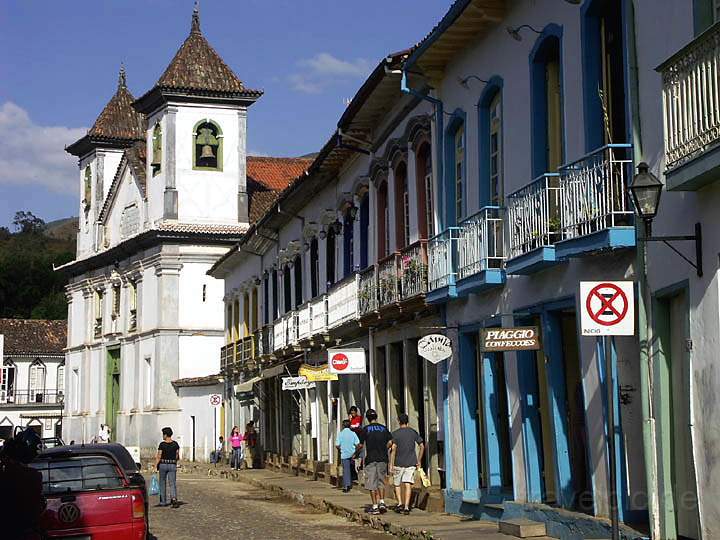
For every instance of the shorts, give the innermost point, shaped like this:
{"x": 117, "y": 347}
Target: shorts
{"x": 404, "y": 475}
{"x": 375, "y": 474}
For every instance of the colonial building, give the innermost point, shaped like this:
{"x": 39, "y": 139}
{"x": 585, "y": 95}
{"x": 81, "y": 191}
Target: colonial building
{"x": 32, "y": 380}
{"x": 164, "y": 192}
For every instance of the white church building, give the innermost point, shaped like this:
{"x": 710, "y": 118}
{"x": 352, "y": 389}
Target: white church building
{"x": 165, "y": 189}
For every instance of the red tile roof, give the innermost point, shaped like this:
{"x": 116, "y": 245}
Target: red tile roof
{"x": 33, "y": 336}
{"x": 276, "y": 173}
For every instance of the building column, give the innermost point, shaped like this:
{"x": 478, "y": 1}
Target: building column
{"x": 171, "y": 203}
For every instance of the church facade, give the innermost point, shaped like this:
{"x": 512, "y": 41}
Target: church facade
{"x": 164, "y": 192}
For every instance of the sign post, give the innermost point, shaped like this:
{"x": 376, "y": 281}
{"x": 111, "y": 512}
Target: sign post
{"x": 607, "y": 310}
{"x": 215, "y": 403}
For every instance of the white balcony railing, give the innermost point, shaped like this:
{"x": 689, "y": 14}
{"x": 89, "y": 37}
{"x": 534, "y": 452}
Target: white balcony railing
{"x": 318, "y": 315}
{"x": 414, "y": 270}
{"x": 691, "y": 99}
{"x": 291, "y": 328}
{"x": 442, "y": 252}
{"x": 594, "y": 191}
{"x": 303, "y": 321}
{"x": 480, "y": 245}
{"x": 279, "y": 335}
{"x": 533, "y": 215}
{"x": 343, "y": 301}
{"x": 388, "y": 281}
{"x": 367, "y": 293}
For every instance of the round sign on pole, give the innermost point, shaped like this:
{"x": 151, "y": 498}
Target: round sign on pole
{"x": 340, "y": 361}
{"x": 435, "y": 348}
{"x": 215, "y": 400}
{"x": 607, "y": 308}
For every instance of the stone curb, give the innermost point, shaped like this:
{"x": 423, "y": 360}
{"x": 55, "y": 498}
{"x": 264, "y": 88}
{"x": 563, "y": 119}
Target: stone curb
{"x": 320, "y": 503}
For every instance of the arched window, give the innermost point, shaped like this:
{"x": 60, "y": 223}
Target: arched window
{"x": 364, "y": 230}
{"x": 314, "y": 267}
{"x": 245, "y": 325}
{"x": 156, "y": 149}
{"x": 207, "y": 146}
{"x": 455, "y": 202}
{"x": 87, "y": 188}
{"x": 287, "y": 289}
{"x": 547, "y": 107}
{"x": 458, "y": 171}
{"x": 425, "y": 190}
{"x": 7, "y": 382}
{"x": 275, "y": 305}
{"x": 348, "y": 241}
{"x": 297, "y": 269}
{"x": 36, "y": 381}
{"x": 330, "y": 256}
{"x": 383, "y": 221}
{"x": 402, "y": 207}
{"x": 254, "y": 310}
{"x": 491, "y": 143}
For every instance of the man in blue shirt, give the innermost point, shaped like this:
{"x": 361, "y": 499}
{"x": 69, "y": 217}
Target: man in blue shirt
{"x": 347, "y": 442}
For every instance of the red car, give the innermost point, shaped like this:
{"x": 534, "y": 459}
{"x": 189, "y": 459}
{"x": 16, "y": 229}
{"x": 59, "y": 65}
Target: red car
{"x": 89, "y": 496}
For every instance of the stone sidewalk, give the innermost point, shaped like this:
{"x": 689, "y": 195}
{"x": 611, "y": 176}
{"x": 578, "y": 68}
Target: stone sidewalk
{"x": 419, "y": 525}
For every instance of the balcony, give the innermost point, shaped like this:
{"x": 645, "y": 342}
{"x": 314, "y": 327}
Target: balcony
{"x": 227, "y": 358}
{"x": 442, "y": 255}
{"x": 367, "y": 292}
{"x": 533, "y": 221}
{"x": 318, "y": 315}
{"x": 480, "y": 251}
{"x": 595, "y": 210}
{"x": 691, "y": 113}
{"x": 279, "y": 334}
{"x": 414, "y": 270}
{"x": 388, "y": 280}
{"x": 31, "y": 397}
{"x": 303, "y": 322}
{"x": 343, "y": 301}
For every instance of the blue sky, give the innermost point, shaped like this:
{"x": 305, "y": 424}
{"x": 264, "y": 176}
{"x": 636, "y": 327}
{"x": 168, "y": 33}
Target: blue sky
{"x": 61, "y": 59}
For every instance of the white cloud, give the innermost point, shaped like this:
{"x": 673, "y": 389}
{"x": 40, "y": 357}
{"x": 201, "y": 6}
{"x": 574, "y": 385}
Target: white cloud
{"x": 34, "y": 154}
{"x": 324, "y": 69}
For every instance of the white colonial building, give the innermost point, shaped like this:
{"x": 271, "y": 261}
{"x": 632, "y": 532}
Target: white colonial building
{"x": 32, "y": 376}
{"x": 163, "y": 194}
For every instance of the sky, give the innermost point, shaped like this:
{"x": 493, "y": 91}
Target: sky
{"x": 60, "y": 64}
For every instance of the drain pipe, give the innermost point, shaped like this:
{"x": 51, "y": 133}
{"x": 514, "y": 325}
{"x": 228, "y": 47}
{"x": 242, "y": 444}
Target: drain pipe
{"x": 645, "y": 319}
{"x": 439, "y": 129}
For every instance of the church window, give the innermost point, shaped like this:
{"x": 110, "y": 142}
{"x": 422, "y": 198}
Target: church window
{"x": 157, "y": 149}
{"x": 7, "y": 382}
{"x": 98, "y": 326}
{"x": 36, "y": 386}
{"x": 87, "y": 188}
{"x": 207, "y": 146}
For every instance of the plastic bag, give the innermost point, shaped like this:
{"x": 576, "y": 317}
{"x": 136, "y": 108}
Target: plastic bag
{"x": 154, "y": 485}
{"x": 424, "y": 478}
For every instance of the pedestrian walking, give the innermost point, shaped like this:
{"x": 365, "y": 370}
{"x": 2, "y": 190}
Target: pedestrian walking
{"x": 236, "y": 443}
{"x": 356, "y": 420}
{"x": 376, "y": 441}
{"x": 217, "y": 454}
{"x": 404, "y": 461}
{"x": 166, "y": 460}
{"x": 348, "y": 443}
{"x": 250, "y": 437}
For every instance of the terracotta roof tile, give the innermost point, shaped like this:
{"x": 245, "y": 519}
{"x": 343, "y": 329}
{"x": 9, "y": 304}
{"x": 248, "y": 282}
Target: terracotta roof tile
{"x": 276, "y": 173}
{"x": 198, "y": 67}
{"x": 119, "y": 119}
{"x": 207, "y": 380}
{"x": 209, "y": 228}
{"x": 260, "y": 202}
{"x": 30, "y": 336}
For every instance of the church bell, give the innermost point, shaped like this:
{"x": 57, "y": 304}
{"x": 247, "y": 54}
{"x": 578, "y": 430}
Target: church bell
{"x": 207, "y": 152}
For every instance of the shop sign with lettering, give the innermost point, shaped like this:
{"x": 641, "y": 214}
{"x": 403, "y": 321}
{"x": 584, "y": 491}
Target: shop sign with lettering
{"x": 521, "y": 338}
{"x": 435, "y": 348}
{"x": 317, "y": 373}
{"x": 296, "y": 383}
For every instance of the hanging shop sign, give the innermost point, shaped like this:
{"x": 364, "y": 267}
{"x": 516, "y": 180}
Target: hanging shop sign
{"x": 317, "y": 373}
{"x": 607, "y": 308}
{"x": 296, "y": 383}
{"x": 346, "y": 361}
{"x": 520, "y": 338}
{"x": 435, "y": 348}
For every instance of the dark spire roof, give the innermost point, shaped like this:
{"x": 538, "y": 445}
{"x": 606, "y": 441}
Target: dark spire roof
{"x": 118, "y": 125}
{"x": 197, "y": 70}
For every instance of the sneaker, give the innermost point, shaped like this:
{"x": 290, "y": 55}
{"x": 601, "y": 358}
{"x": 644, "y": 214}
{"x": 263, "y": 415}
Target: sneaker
{"x": 398, "y": 508}
{"x": 374, "y": 511}
{"x": 406, "y": 511}
{"x": 382, "y": 508}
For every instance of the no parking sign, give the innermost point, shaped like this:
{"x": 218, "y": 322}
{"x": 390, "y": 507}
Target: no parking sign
{"x": 607, "y": 308}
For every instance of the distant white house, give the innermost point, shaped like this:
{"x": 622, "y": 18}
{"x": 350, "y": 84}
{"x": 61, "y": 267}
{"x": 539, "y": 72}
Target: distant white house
{"x": 32, "y": 379}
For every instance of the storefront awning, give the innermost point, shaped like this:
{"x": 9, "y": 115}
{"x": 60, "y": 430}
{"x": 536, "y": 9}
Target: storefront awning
{"x": 246, "y": 386}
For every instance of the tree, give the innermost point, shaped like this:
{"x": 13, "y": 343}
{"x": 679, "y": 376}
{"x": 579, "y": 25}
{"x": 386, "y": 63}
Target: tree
{"x": 27, "y": 222}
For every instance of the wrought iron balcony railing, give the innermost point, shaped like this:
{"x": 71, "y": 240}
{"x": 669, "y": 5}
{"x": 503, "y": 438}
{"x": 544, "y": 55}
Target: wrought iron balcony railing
{"x": 691, "y": 99}
{"x": 388, "y": 280}
{"x": 32, "y": 397}
{"x": 480, "y": 245}
{"x": 533, "y": 215}
{"x": 594, "y": 192}
{"x": 367, "y": 293}
{"x": 414, "y": 270}
{"x": 442, "y": 253}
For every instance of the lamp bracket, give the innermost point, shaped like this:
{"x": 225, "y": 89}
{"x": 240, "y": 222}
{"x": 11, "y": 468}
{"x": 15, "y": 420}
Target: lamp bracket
{"x": 697, "y": 238}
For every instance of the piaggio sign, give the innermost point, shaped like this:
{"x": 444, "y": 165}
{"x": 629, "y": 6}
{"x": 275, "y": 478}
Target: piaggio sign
{"x": 520, "y": 338}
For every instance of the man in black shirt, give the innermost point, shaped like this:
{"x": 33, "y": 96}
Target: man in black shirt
{"x": 166, "y": 460}
{"x": 376, "y": 440}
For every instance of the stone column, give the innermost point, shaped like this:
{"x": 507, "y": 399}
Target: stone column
{"x": 413, "y": 390}
{"x": 166, "y": 365}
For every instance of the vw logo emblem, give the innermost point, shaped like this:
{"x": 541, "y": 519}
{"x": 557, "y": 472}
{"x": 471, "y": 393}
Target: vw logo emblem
{"x": 68, "y": 513}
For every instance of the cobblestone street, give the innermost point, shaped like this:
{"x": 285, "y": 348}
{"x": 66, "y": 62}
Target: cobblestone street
{"x": 216, "y": 507}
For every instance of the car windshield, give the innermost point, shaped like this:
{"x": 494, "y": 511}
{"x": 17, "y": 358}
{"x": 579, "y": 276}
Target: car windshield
{"x": 78, "y": 473}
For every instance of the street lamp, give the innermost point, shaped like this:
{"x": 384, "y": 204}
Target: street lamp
{"x": 645, "y": 191}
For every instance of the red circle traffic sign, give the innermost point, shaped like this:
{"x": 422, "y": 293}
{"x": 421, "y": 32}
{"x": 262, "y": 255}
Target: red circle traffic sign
{"x": 215, "y": 399}
{"x": 613, "y": 304}
{"x": 340, "y": 361}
